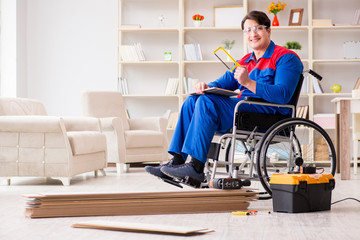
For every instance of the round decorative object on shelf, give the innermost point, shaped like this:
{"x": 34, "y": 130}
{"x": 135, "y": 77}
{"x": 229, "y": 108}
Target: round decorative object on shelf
{"x": 275, "y": 21}
{"x": 197, "y": 23}
{"x": 336, "y": 88}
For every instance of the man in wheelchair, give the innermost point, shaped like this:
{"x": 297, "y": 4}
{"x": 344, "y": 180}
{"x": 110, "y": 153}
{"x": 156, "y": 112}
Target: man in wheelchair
{"x": 270, "y": 72}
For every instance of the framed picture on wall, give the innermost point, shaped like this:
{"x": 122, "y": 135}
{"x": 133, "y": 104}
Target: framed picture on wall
{"x": 296, "y": 17}
{"x": 228, "y": 16}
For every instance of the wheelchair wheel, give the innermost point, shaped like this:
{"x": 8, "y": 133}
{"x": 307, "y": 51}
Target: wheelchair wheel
{"x": 291, "y": 143}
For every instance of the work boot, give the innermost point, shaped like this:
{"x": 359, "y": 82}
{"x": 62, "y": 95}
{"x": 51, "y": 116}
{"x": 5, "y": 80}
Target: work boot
{"x": 180, "y": 172}
{"x": 156, "y": 170}
{"x": 177, "y": 160}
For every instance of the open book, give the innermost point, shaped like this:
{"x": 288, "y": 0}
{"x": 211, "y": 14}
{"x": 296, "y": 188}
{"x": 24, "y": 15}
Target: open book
{"x": 218, "y": 91}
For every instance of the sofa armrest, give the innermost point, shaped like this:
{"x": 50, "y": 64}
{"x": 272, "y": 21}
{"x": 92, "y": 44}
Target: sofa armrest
{"x": 150, "y": 123}
{"x": 111, "y": 123}
{"x": 81, "y": 124}
{"x": 114, "y": 125}
{"x": 30, "y": 124}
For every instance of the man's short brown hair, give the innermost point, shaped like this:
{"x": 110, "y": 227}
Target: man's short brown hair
{"x": 260, "y": 17}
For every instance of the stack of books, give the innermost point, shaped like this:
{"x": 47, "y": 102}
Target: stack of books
{"x": 302, "y": 112}
{"x": 131, "y": 53}
{"x": 192, "y": 52}
{"x": 123, "y": 86}
{"x": 189, "y": 84}
{"x": 172, "y": 86}
{"x": 111, "y": 204}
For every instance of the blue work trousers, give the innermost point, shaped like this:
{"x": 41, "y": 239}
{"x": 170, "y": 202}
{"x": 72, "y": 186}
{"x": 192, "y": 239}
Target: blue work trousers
{"x": 200, "y": 117}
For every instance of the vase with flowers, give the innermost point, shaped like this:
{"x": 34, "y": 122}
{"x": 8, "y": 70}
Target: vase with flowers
{"x": 275, "y": 8}
{"x": 197, "y": 19}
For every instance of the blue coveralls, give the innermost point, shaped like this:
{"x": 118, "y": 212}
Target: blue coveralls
{"x": 276, "y": 73}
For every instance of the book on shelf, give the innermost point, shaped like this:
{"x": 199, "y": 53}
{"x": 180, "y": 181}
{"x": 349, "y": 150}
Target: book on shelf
{"x": 130, "y": 26}
{"x": 298, "y": 111}
{"x": 317, "y": 86}
{"x": 305, "y": 85}
{"x": 189, "y": 84}
{"x": 172, "y": 86}
{"x": 192, "y": 52}
{"x": 305, "y": 112}
{"x": 322, "y": 22}
{"x": 356, "y": 18}
{"x": 123, "y": 88}
{"x": 302, "y": 111}
{"x": 186, "y": 90}
{"x": 139, "y": 51}
{"x": 219, "y": 91}
{"x": 131, "y": 53}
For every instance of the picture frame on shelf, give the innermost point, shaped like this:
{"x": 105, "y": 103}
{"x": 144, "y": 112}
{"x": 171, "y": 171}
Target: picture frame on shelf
{"x": 296, "y": 17}
{"x": 228, "y": 16}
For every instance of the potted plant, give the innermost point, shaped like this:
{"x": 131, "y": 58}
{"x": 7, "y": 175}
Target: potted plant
{"x": 197, "y": 19}
{"x": 228, "y": 45}
{"x": 294, "y": 45}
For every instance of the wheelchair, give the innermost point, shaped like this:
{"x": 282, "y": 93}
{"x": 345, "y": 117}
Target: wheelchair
{"x": 266, "y": 144}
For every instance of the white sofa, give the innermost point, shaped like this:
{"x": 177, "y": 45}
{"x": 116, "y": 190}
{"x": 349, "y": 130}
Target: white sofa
{"x": 33, "y": 144}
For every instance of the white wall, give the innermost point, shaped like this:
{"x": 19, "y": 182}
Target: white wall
{"x": 8, "y": 48}
{"x": 70, "y": 47}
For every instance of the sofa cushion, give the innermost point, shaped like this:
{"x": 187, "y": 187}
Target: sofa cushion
{"x": 84, "y": 142}
{"x": 143, "y": 138}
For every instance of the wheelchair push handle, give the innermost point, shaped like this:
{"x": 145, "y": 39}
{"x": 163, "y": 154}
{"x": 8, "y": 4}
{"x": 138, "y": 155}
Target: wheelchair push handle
{"x": 315, "y": 74}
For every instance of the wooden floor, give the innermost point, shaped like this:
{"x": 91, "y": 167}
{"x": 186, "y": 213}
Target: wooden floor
{"x": 342, "y": 222}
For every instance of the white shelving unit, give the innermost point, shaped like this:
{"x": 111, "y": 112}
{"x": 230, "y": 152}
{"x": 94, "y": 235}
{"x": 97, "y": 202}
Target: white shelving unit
{"x": 322, "y": 48}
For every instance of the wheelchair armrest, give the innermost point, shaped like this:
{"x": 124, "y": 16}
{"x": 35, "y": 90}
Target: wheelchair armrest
{"x": 259, "y": 101}
{"x": 253, "y": 99}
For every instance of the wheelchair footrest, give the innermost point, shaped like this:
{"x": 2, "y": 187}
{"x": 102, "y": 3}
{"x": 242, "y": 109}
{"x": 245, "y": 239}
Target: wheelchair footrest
{"x": 192, "y": 182}
{"x": 187, "y": 181}
{"x": 218, "y": 183}
{"x": 172, "y": 182}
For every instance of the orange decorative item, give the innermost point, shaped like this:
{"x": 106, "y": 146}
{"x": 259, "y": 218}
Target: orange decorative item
{"x": 275, "y": 8}
{"x": 197, "y": 19}
{"x": 275, "y": 21}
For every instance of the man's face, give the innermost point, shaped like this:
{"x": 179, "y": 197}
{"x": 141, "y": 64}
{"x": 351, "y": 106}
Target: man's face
{"x": 258, "y": 37}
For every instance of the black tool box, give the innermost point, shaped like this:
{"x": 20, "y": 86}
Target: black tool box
{"x": 296, "y": 193}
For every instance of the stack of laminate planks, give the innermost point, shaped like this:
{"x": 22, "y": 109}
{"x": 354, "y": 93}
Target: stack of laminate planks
{"x": 106, "y": 204}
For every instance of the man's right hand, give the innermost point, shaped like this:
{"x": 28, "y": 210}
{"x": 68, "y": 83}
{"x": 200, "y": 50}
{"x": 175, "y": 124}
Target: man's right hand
{"x": 200, "y": 87}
